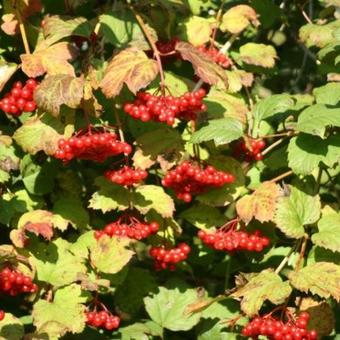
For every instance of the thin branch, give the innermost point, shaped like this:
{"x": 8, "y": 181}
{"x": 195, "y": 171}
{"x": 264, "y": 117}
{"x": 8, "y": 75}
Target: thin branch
{"x": 119, "y": 124}
{"x": 281, "y": 134}
{"x": 22, "y": 32}
{"x": 272, "y": 146}
{"x": 282, "y": 176}
{"x": 218, "y": 20}
{"x": 287, "y": 258}
{"x": 152, "y": 43}
{"x": 302, "y": 252}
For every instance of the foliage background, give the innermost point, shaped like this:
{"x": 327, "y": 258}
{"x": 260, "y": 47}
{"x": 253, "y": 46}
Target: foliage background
{"x": 284, "y": 79}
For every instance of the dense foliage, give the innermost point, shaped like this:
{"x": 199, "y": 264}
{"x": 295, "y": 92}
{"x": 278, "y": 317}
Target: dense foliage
{"x": 169, "y": 169}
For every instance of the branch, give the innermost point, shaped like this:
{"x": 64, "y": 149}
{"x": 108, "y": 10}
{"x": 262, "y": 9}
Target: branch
{"x": 282, "y": 176}
{"x": 22, "y": 32}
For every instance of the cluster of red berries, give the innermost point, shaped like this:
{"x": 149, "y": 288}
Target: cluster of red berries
{"x": 102, "y": 319}
{"x": 166, "y": 47}
{"x": 126, "y": 176}
{"x": 14, "y": 282}
{"x": 232, "y": 240}
{"x": 168, "y": 258}
{"x": 278, "y": 330}
{"x": 189, "y": 178}
{"x": 214, "y": 54}
{"x": 164, "y": 108}
{"x": 131, "y": 227}
{"x": 20, "y": 99}
{"x": 251, "y": 152}
{"x": 91, "y": 146}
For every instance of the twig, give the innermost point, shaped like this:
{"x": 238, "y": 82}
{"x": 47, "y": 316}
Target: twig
{"x": 218, "y": 20}
{"x": 302, "y": 252}
{"x": 272, "y": 146}
{"x": 97, "y": 28}
{"x": 22, "y": 31}
{"x": 281, "y": 134}
{"x": 282, "y": 176}
{"x": 286, "y": 259}
{"x": 153, "y": 46}
{"x": 119, "y": 124}
{"x": 318, "y": 180}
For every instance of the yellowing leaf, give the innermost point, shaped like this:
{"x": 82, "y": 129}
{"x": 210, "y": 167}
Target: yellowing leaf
{"x": 65, "y": 314}
{"x": 320, "y": 278}
{"x": 260, "y": 204}
{"x": 258, "y": 54}
{"x": 109, "y": 254}
{"x": 10, "y": 24}
{"x": 132, "y": 67}
{"x": 198, "y": 30}
{"x": 51, "y": 60}
{"x": 265, "y": 286}
{"x": 204, "y": 67}
{"x": 6, "y": 72}
{"x": 237, "y": 18}
{"x": 58, "y": 90}
{"x": 39, "y": 134}
{"x": 153, "y": 197}
{"x": 329, "y": 230}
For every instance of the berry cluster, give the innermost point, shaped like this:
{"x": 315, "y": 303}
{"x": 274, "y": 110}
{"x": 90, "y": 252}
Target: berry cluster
{"x": 13, "y": 282}
{"x": 126, "y": 176}
{"x": 168, "y": 258}
{"x": 189, "y": 178}
{"x": 278, "y": 330}
{"x": 251, "y": 152}
{"x": 20, "y": 99}
{"x": 128, "y": 226}
{"x": 232, "y": 240}
{"x": 91, "y": 146}
{"x": 2, "y": 315}
{"x": 164, "y": 108}
{"x": 214, "y": 54}
{"x": 102, "y": 319}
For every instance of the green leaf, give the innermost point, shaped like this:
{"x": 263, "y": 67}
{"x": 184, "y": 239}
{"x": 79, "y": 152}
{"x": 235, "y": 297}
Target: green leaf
{"x": 131, "y": 67}
{"x": 167, "y": 307}
{"x": 328, "y": 94}
{"x": 140, "y": 331}
{"x": 198, "y": 30}
{"x": 109, "y": 196}
{"x": 109, "y": 254}
{"x": 120, "y": 27}
{"x": 38, "y": 180}
{"x": 306, "y": 152}
{"x": 55, "y": 263}
{"x": 39, "y": 134}
{"x": 321, "y": 278}
{"x": 264, "y": 286}
{"x": 153, "y": 197}
{"x": 11, "y": 328}
{"x": 316, "y": 118}
{"x": 65, "y": 314}
{"x": 203, "y": 216}
{"x": 222, "y": 131}
{"x": 295, "y": 211}
{"x": 238, "y": 18}
{"x": 328, "y": 235}
{"x": 160, "y": 141}
{"x": 58, "y": 90}
{"x": 77, "y": 216}
{"x": 130, "y": 294}
{"x": 258, "y": 54}
{"x": 58, "y": 27}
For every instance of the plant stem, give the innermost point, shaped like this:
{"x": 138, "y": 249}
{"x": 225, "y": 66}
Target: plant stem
{"x": 282, "y": 176}
{"x": 281, "y": 134}
{"x": 97, "y": 28}
{"x": 227, "y": 273}
{"x": 302, "y": 252}
{"x": 218, "y": 20}
{"x": 153, "y": 46}
{"x": 318, "y": 180}
{"x": 22, "y": 31}
{"x": 272, "y": 146}
{"x": 119, "y": 124}
{"x": 286, "y": 259}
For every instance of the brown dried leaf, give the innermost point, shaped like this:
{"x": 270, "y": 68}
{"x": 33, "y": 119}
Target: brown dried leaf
{"x": 321, "y": 315}
{"x": 52, "y": 60}
{"x": 90, "y": 103}
{"x": 204, "y": 67}
{"x": 57, "y": 90}
{"x": 132, "y": 67}
{"x": 260, "y": 204}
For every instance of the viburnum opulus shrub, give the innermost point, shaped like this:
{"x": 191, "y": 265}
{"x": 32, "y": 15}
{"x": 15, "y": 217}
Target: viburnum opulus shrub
{"x": 169, "y": 169}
